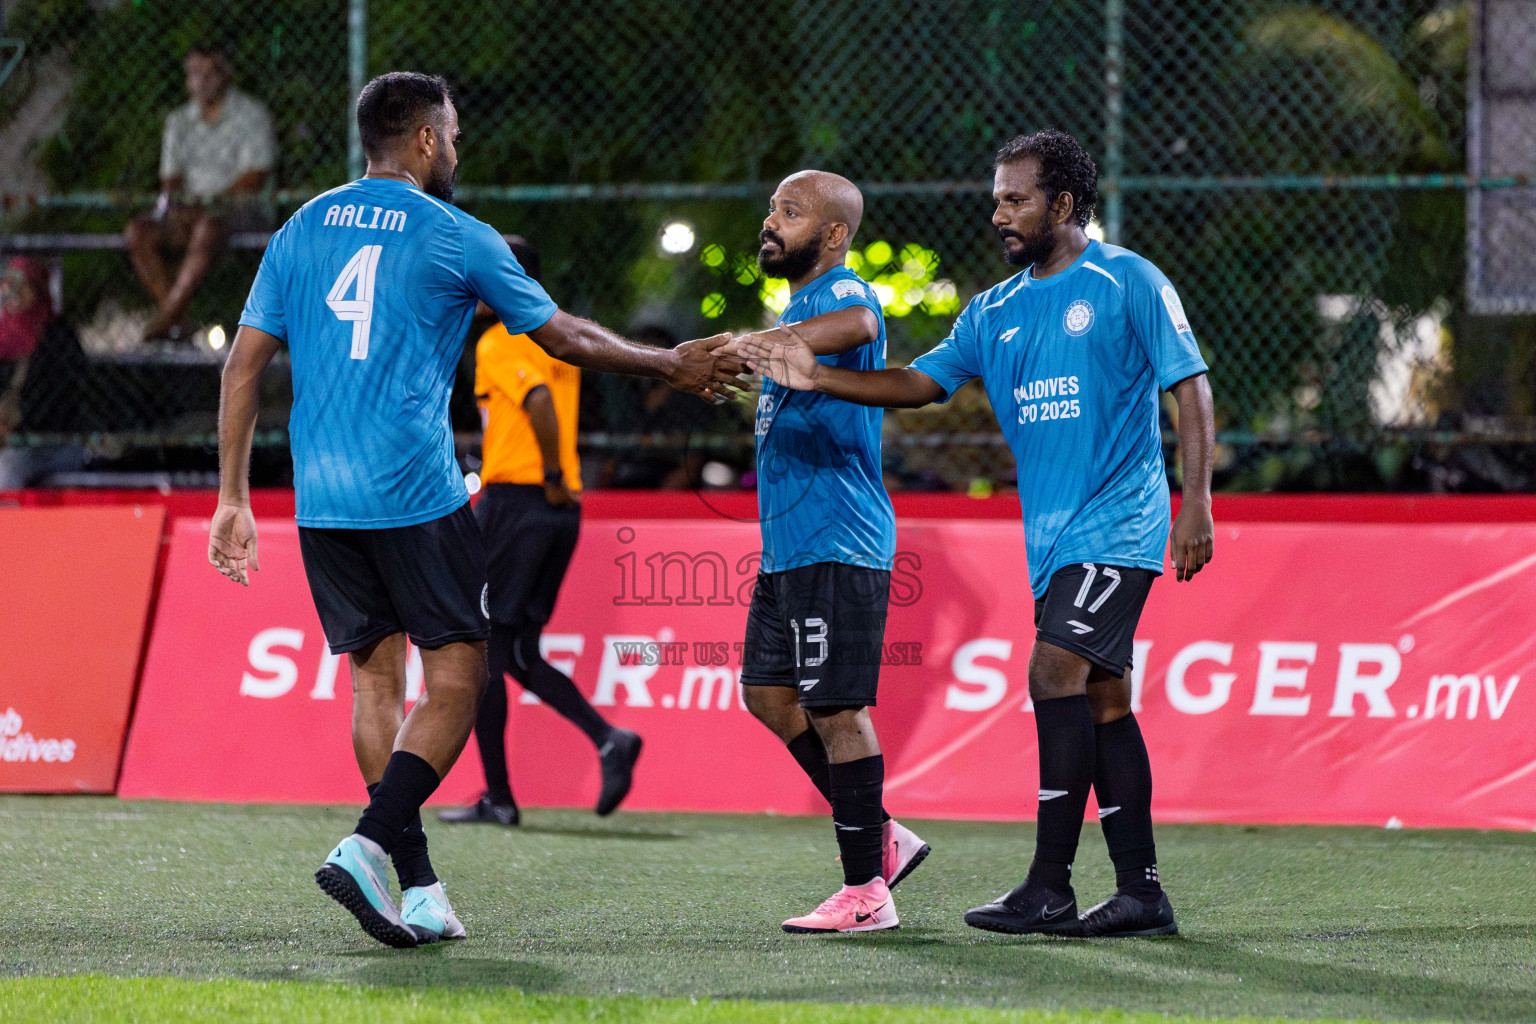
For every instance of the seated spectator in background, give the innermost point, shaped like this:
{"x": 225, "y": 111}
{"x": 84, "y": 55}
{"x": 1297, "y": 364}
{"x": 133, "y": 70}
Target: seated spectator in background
{"x": 215, "y": 157}
{"x": 24, "y": 311}
{"x": 42, "y": 370}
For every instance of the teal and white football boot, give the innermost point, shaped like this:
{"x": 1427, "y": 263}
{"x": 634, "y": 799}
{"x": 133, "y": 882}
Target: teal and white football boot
{"x": 356, "y": 875}
{"x": 426, "y": 911}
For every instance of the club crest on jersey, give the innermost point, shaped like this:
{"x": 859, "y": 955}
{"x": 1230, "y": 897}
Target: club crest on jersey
{"x": 1078, "y": 318}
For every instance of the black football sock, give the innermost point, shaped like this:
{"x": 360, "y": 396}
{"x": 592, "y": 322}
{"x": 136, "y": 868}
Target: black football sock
{"x": 812, "y": 757}
{"x": 552, "y": 686}
{"x": 1065, "y": 729}
{"x": 1122, "y": 779}
{"x": 491, "y": 719}
{"x": 396, "y": 800}
{"x": 412, "y": 865}
{"x": 857, "y": 788}
{"x": 808, "y": 751}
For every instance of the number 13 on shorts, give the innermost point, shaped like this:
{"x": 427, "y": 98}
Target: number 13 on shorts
{"x": 358, "y": 274}
{"x": 815, "y": 634}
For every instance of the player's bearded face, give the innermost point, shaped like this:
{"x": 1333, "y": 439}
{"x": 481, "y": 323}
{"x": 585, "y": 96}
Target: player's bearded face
{"x": 442, "y": 177}
{"x": 778, "y": 260}
{"x": 1023, "y": 249}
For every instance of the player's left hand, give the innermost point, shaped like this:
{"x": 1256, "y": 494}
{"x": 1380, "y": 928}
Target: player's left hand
{"x": 232, "y": 543}
{"x": 783, "y": 355}
{"x": 1193, "y": 543}
{"x": 702, "y": 369}
{"x": 729, "y": 358}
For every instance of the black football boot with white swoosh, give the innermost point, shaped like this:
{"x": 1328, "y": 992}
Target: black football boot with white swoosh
{"x": 1032, "y": 908}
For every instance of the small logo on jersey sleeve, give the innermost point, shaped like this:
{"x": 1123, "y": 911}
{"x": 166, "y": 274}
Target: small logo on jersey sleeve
{"x": 843, "y": 289}
{"x": 1175, "y": 310}
{"x": 1007, "y": 335}
{"x": 1078, "y": 318}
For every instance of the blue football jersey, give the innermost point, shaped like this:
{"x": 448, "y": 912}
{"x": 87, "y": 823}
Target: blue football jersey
{"x": 373, "y": 286}
{"x": 820, "y": 493}
{"x": 1072, "y": 365}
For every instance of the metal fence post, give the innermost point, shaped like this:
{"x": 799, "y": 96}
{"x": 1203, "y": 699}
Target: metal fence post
{"x": 357, "y": 76}
{"x": 1114, "y": 117}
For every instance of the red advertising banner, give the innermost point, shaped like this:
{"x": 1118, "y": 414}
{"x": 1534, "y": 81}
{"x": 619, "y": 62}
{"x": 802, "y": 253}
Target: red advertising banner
{"x": 75, "y": 586}
{"x": 1366, "y": 673}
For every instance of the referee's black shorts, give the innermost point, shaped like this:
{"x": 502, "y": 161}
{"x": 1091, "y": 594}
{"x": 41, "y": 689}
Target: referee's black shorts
{"x": 426, "y": 581}
{"x": 528, "y": 545}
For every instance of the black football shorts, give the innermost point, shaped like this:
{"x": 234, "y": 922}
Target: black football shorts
{"x": 426, "y": 581}
{"x": 819, "y": 628}
{"x": 528, "y": 547}
{"x": 1092, "y": 610}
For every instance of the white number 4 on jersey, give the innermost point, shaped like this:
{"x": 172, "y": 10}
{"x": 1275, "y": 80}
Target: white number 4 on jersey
{"x": 358, "y": 274}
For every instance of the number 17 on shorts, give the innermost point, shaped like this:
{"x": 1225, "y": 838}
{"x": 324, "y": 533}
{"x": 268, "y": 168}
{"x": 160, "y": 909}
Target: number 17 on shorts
{"x": 1092, "y": 609}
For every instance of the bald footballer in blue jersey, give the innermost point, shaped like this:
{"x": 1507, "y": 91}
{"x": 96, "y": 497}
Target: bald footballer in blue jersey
{"x": 816, "y": 625}
{"x": 372, "y": 285}
{"x": 1072, "y": 351}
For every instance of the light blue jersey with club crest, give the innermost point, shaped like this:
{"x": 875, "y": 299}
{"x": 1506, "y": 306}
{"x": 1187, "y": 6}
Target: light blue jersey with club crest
{"x": 1072, "y": 365}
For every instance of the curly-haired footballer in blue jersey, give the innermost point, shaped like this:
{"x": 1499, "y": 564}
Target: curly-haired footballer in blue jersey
{"x": 1072, "y": 352}
{"x": 373, "y": 285}
{"x": 816, "y": 627}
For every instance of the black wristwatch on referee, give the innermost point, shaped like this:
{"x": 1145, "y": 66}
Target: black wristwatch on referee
{"x": 553, "y": 476}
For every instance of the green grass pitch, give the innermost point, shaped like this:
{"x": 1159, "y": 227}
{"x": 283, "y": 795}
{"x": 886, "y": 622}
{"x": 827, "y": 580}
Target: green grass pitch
{"x": 161, "y": 912}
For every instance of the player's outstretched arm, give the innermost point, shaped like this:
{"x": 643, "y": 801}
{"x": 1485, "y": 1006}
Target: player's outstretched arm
{"x": 830, "y": 333}
{"x": 232, "y": 537}
{"x": 1193, "y": 543}
{"x": 694, "y": 366}
{"x": 792, "y": 362}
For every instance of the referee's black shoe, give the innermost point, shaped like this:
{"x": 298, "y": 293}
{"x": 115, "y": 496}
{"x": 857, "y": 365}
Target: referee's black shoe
{"x": 1127, "y": 916}
{"x": 484, "y": 811}
{"x": 618, "y": 755}
{"x": 1032, "y": 908}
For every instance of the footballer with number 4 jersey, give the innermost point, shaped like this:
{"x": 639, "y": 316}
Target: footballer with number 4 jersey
{"x": 816, "y": 625}
{"x": 372, "y": 286}
{"x": 1072, "y": 351}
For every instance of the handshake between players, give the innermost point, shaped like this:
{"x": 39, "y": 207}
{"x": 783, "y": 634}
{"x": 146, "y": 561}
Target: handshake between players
{"x": 374, "y": 322}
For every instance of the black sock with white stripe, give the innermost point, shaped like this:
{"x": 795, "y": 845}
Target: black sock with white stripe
{"x": 857, "y": 788}
{"x": 1122, "y": 780}
{"x": 1065, "y": 728}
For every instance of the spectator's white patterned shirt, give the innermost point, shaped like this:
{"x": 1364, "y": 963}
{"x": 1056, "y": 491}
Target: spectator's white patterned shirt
{"x": 211, "y": 156}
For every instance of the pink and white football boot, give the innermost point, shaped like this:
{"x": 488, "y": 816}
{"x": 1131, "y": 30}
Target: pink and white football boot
{"x": 902, "y": 852}
{"x": 853, "y": 908}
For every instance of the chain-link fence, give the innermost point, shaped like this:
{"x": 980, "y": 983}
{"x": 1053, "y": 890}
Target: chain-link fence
{"x": 1298, "y": 170}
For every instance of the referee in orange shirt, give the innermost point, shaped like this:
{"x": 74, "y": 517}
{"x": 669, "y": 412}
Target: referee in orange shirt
{"x": 530, "y": 516}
